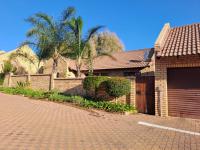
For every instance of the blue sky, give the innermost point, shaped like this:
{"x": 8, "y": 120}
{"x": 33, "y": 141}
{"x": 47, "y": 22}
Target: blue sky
{"x": 136, "y": 22}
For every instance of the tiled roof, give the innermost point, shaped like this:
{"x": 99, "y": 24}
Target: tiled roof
{"x": 127, "y": 59}
{"x": 184, "y": 40}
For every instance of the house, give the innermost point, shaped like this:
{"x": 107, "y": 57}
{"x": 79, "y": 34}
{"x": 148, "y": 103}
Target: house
{"x": 174, "y": 62}
{"x": 21, "y": 64}
{"x": 177, "y": 71}
{"x": 65, "y": 68}
{"x": 135, "y": 63}
{"x": 126, "y": 63}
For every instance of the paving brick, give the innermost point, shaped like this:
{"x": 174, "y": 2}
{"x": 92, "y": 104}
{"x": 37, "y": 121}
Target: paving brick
{"x": 40, "y": 125}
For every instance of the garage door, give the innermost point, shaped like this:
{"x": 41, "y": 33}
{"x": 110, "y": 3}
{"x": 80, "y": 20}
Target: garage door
{"x": 184, "y": 92}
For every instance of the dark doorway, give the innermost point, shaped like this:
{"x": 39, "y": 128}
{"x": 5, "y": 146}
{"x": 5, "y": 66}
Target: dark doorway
{"x": 145, "y": 94}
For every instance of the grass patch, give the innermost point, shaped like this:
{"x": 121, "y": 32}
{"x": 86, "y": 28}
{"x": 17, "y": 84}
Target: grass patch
{"x": 76, "y": 100}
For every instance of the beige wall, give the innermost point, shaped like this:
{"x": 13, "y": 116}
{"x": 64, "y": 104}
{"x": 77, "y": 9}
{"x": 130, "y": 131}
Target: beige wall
{"x": 162, "y": 63}
{"x": 69, "y": 86}
{"x": 41, "y": 81}
{"x": 16, "y": 79}
{"x": 47, "y": 82}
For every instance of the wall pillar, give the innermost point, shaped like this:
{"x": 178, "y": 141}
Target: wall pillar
{"x": 29, "y": 78}
{"x": 132, "y": 95}
{"x": 10, "y": 79}
{"x": 53, "y": 76}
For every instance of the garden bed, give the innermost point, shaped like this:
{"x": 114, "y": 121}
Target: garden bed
{"x": 75, "y": 100}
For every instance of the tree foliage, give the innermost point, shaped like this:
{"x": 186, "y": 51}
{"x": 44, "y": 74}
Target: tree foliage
{"x": 80, "y": 47}
{"x": 50, "y": 38}
{"x": 106, "y": 42}
{"x": 117, "y": 86}
{"x": 64, "y": 37}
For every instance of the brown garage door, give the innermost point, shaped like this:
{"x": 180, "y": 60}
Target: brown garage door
{"x": 184, "y": 92}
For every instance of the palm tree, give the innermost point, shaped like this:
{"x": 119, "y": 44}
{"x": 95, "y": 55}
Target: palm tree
{"x": 79, "y": 45}
{"x": 50, "y": 38}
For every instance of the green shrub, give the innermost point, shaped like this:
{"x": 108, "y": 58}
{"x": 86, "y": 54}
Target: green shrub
{"x": 21, "y": 84}
{"x": 54, "y": 95}
{"x": 24, "y": 91}
{"x": 2, "y": 76}
{"x": 91, "y": 85}
{"x": 117, "y": 87}
{"x": 93, "y": 82}
{"x": 76, "y": 100}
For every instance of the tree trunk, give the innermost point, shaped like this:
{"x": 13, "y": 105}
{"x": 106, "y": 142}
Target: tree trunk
{"x": 90, "y": 73}
{"x": 78, "y": 67}
{"x": 55, "y": 61}
{"x": 78, "y": 72}
{"x": 55, "y": 65}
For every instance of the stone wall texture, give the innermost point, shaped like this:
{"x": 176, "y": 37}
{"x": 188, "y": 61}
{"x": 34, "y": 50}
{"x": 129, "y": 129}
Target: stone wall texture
{"x": 71, "y": 86}
{"x": 41, "y": 82}
{"x": 16, "y": 79}
{"x": 161, "y": 65}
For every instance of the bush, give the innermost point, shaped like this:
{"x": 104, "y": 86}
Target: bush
{"x": 117, "y": 87}
{"x": 21, "y": 84}
{"x": 2, "y": 76}
{"x": 91, "y": 85}
{"x": 93, "y": 82}
{"x": 77, "y": 100}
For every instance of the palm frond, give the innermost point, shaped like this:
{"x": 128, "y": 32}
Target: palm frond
{"x": 33, "y": 32}
{"x": 32, "y": 20}
{"x": 79, "y": 25}
{"x": 72, "y": 25}
{"x": 26, "y": 43}
{"x": 92, "y": 32}
{"x": 47, "y": 19}
{"x": 68, "y": 13}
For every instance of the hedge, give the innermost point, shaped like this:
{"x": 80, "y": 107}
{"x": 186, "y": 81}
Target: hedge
{"x": 117, "y": 87}
{"x": 76, "y": 100}
{"x": 91, "y": 85}
{"x": 114, "y": 86}
{"x": 93, "y": 82}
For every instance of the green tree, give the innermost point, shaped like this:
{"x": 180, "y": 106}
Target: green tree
{"x": 50, "y": 38}
{"x": 80, "y": 45}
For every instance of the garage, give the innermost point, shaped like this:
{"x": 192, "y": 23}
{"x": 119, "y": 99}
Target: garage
{"x": 183, "y": 86}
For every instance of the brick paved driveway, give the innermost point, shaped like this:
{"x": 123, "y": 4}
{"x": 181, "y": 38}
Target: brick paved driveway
{"x": 31, "y": 124}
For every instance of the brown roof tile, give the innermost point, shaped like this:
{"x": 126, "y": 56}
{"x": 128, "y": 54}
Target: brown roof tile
{"x": 184, "y": 40}
{"x": 127, "y": 59}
